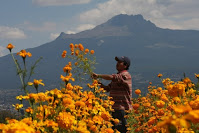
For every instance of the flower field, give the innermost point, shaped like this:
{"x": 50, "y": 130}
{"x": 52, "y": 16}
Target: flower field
{"x": 172, "y": 108}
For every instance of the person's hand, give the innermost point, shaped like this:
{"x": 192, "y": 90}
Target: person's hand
{"x": 94, "y": 75}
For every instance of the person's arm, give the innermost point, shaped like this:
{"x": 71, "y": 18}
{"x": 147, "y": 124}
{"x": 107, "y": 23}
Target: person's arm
{"x": 103, "y": 76}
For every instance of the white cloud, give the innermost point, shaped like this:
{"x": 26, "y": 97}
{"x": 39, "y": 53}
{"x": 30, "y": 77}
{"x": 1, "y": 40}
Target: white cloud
{"x": 54, "y": 36}
{"x": 80, "y": 28}
{"x": 84, "y": 27}
{"x": 70, "y": 32}
{"x": 1, "y": 50}
{"x": 45, "y": 27}
{"x": 174, "y": 14}
{"x": 59, "y": 2}
{"x": 11, "y": 33}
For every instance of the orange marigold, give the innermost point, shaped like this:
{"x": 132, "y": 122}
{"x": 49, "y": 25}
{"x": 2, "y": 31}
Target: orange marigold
{"x": 10, "y": 46}
{"x": 137, "y": 91}
{"x": 23, "y": 53}
{"x": 92, "y": 52}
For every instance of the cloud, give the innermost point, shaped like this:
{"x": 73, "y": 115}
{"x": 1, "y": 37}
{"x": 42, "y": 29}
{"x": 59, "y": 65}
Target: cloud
{"x": 164, "y": 45}
{"x": 174, "y": 14}
{"x": 59, "y": 2}
{"x": 11, "y": 33}
{"x": 54, "y": 36}
{"x": 45, "y": 27}
{"x": 80, "y": 28}
{"x": 2, "y": 51}
{"x": 84, "y": 27}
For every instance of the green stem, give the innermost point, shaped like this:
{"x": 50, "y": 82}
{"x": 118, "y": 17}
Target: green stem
{"x": 18, "y": 69}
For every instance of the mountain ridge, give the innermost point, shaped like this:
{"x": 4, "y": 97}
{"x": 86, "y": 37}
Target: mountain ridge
{"x": 150, "y": 48}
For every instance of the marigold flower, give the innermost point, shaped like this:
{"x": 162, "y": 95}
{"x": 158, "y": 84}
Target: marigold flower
{"x": 81, "y": 47}
{"x": 92, "y": 52}
{"x": 18, "y": 106}
{"x": 36, "y": 83}
{"x": 186, "y": 80}
{"x": 136, "y": 106}
{"x": 160, "y": 75}
{"x": 29, "y": 110}
{"x": 77, "y": 52}
{"x": 109, "y": 130}
{"x": 71, "y": 45}
{"x": 23, "y": 53}
{"x": 64, "y": 54}
{"x": 86, "y": 51}
{"x": 20, "y": 97}
{"x": 160, "y": 104}
{"x": 180, "y": 109}
{"x": 116, "y": 121}
{"x": 10, "y": 47}
{"x": 137, "y": 91}
{"x": 197, "y": 75}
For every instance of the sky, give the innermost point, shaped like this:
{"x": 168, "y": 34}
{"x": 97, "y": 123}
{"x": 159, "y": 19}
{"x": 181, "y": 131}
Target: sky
{"x": 31, "y": 23}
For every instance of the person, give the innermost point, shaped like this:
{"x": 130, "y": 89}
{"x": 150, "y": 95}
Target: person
{"x": 120, "y": 89}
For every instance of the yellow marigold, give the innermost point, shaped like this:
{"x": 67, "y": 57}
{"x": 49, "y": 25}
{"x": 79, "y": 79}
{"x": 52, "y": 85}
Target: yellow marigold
{"x": 197, "y": 75}
{"x": 109, "y": 130}
{"x": 18, "y": 106}
{"x": 67, "y": 68}
{"x": 17, "y": 127}
{"x": 80, "y": 104}
{"x": 106, "y": 116}
{"x": 160, "y": 104}
{"x": 180, "y": 109}
{"x": 92, "y": 52}
{"x": 116, "y": 121}
{"x": 176, "y": 99}
{"x": 67, "y": 101}
{"x": 23, "y": 53}
{"x": 36, "y": 83}
{"x": 137, "y": 91}
{"x": 66, "y": 120}
{"x": 20, "y": 97}
{"x": 194, "y": 104}
{"x": 10, "y": 47}
{"x": 159, "y": 89}
{"x": 186, "y": 80}
{"x": 178, "y": 89}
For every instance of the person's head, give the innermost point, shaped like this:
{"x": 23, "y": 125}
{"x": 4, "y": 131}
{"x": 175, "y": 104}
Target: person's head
{"x": 123, "y": 63}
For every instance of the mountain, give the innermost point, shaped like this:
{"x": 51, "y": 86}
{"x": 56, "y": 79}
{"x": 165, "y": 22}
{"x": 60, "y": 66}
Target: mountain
{"x": 150, "y": 48}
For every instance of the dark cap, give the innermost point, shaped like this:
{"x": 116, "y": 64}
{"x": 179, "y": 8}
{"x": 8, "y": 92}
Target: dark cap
{"x": 124, "y": 59}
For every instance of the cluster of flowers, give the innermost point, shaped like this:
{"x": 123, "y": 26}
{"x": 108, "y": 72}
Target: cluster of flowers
{"x": 83, "y": 60}
{"x": 67, "y": 110}
{"x": 171, "y": 108}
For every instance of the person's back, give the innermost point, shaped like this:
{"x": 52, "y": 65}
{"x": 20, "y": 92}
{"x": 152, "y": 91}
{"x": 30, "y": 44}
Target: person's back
{"x": 121, "y": 90}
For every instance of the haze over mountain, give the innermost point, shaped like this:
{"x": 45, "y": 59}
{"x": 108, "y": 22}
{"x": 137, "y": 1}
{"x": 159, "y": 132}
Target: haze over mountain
{"x": 150, "y": 48}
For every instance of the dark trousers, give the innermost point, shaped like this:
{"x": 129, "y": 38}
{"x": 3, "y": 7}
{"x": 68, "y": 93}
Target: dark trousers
{"x": 119, "y": 114}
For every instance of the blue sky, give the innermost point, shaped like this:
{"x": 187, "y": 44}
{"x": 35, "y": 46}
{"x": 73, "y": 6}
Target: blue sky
{"x": 30, "y": 23}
